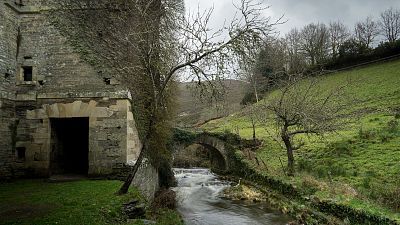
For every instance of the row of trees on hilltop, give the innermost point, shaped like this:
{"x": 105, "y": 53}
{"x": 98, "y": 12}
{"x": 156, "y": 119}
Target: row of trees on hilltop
{"x": 317, "y": 43}
{"x": 319, "y": 46}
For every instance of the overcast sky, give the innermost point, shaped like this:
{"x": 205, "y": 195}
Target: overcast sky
{"x": 301, "y": 12}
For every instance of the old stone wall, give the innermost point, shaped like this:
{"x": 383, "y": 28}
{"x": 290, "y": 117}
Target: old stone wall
{"x": 8, "y": 50}
{"x": 8, "y": 126}
{"x": 61, "y": 85}
{"x": 110, "y": 125}
{"x": 8, "y": 123}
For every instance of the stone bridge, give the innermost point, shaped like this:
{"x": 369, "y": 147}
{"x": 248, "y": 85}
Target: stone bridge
{"x": 218, "y": 151}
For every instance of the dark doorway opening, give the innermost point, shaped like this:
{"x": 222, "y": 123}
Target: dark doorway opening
{"x": 70, "y": 146}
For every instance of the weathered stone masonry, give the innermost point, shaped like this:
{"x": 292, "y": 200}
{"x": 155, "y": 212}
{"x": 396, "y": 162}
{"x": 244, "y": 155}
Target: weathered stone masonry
{"x": 42, "y": 79}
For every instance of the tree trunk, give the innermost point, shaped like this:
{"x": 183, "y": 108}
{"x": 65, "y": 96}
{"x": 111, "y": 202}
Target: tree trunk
{"x": 125, "y": 187}
{"x": 290, "y": 161}
{"x": 289, "y": 151}
{"x": 254, "y": 131}
{"x": 255, "y": 88}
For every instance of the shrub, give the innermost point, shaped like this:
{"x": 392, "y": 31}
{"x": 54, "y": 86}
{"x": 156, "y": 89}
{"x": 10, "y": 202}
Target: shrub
{"x": 367, "y": 134}
{"x": 386, "y": 194}
{"x": 165, "y": 198}
{"x": 304, "y": 164}
{"x": 340, "y": 148}
{"x": 392, "y": 126}
{"x": 367, "y": 180}
{"x": 337, "y": 170}
{"x": 311, "y": 185}
{"x": 386, "y": 136}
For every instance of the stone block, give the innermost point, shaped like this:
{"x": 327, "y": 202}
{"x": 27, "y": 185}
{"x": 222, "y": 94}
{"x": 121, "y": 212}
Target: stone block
{"x": 122, "y": 105}
{"x": 76, "y": 106}
{"x": 36, "y": 114}
{"x": 62, "y": 110}
{"x": 53, "y": 111}
{"x": 27, "y": 97}
{"x": 101, "y": 112}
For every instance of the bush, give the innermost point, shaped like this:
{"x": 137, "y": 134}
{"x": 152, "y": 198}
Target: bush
{"x": 165, "y": 198}
{"x": 249, "y": 98}
{"x": 338, "y": 170}
{"x": 386, "y": 136}
{"x": 311, "y": 185}
{"x": 367, "y": 134}
{"x": 340, "y": 148}
{"x": 386, "y": 194}
{"x": 182, "y": 136}
{"x": 396, "y": 112}
{"x": 392, "y": 126}
{"x": 304, "y": 165}
{"x": 351, "y": 53}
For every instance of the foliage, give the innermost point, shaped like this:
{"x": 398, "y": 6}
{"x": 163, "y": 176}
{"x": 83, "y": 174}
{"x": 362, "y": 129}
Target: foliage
{"x": 164, "y": 199}
{"x": 181, "y": 136}
{"x": 353, "y": 53}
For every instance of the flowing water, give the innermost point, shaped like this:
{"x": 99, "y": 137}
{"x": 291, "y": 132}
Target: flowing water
{"x": 199, "y": 202}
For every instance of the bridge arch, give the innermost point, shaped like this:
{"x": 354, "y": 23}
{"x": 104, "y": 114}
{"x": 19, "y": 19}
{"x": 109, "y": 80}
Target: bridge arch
{"x": 217, "y": 149}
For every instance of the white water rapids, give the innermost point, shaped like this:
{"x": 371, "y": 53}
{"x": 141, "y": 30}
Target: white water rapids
{"x": 199, "y": 202}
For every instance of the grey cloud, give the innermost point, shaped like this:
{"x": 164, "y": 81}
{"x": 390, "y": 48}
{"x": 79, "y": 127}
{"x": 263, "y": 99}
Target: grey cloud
{"x": 301, "y": 12}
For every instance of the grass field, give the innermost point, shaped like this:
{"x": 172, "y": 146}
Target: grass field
{"x": 36, "y": 202}
{"x": 360, "y": 164}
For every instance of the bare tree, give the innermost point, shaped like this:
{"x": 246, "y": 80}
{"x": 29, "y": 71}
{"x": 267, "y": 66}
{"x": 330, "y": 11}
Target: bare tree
{"x": 295, "y": 57}
{"x": 304, "y": 107}
{"x": 315, "y": 42}
{"x": 366, "y": 31}
{"x": 253, "y": 114}
{"x": 148, "y": 42}
{"x": 339, "y": 34}
{"x": 390, "y": 24}
{"x": 266, "y": 66}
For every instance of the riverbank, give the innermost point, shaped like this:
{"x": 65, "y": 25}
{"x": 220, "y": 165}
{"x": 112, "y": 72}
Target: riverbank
{"x": 300, "y": 212}
{"x": 302, "y": 200}
{"x": 201, "y": 201}
{"x": 296, "y": 201}
{"x": 94, "y": 202}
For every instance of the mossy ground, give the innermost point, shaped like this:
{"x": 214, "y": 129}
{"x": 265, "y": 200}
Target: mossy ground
{"x": 81, "y": 202}
{"x": 357, "y": 166}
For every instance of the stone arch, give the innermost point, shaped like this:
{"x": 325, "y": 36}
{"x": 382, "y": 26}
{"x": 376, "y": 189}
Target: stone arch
{"x": 219, "y": 156}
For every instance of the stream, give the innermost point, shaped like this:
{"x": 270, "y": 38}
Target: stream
{"x": 199, "y": 202}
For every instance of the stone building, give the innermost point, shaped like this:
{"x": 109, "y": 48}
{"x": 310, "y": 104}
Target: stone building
{"x": 58, "y": 115}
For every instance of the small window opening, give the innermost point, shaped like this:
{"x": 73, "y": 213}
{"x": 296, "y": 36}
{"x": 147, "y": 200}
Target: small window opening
{"x": 107, "y": 80}
{"x": 7, "y": 75}
{"x": 27, "y": 57}
{"x": 21, "y": 153}
{"x": 28, "y": 71}
{"x": 41, "y": 82}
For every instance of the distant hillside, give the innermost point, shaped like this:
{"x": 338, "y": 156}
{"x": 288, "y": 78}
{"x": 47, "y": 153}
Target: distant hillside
{"x": 192, "y": 111}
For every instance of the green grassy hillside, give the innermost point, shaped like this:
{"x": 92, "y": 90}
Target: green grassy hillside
{"x": 360, "y": 164}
